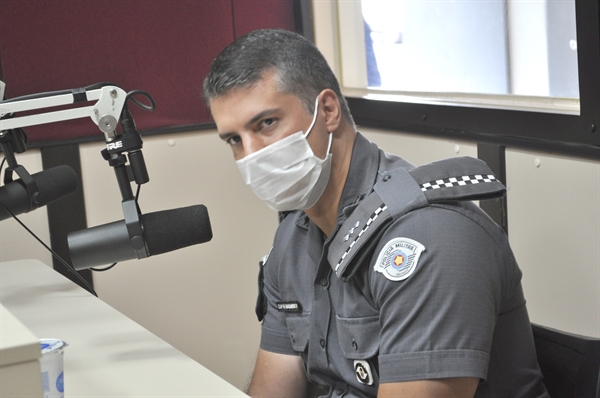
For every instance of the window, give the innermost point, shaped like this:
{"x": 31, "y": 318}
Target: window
{"x": 499, "y": 71}
{"x": 486, "y": 47}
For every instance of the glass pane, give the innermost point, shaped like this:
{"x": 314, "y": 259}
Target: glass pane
{"x": 472, "y": 46}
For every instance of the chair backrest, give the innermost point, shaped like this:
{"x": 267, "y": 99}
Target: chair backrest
{"x": 570, "y": 363}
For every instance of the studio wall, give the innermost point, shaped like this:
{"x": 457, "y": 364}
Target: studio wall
{"x": 160, "y": 46}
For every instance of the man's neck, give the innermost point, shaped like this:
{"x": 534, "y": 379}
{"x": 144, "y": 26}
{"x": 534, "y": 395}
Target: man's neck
{"x": 325, "y": 212}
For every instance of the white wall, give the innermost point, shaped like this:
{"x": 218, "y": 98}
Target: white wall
{"x": 201, "y": 299}
{"x": 554, "y": 229}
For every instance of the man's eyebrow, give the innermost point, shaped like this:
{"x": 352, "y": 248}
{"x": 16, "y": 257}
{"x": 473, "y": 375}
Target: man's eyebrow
{"x": 225, "y": 136}
{"x": 259, "y": 116}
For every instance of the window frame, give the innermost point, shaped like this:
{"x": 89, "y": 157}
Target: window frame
{"x": 576, "y": 135}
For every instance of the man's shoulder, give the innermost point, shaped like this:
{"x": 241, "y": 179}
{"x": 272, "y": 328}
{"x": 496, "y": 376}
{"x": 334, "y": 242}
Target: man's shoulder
{"x": 449, "y": 220}
{"x": 400, "y": 191}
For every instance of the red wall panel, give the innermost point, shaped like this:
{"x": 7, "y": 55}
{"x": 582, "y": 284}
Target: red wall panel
{"x": 250, "y": 15}
{"x": 162, "y": 46}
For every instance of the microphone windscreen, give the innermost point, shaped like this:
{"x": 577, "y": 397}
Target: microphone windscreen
{"x": 174, "y": 229}
{"x": 52, "y": 184}
{"x": 55, "y": 183}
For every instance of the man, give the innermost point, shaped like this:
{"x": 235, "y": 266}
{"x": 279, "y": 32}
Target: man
{"x": 382, "y": 280}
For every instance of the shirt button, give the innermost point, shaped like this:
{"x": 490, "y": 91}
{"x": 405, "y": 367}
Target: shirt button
{"x": 324, "y": 282}
{"x": 339, "y": 391}
{"x": 322, "y": 342}
{"x": 354, "y": 345}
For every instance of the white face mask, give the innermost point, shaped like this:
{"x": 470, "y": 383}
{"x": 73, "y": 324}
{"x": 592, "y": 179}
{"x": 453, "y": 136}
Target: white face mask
{"x": 287, "y": 175}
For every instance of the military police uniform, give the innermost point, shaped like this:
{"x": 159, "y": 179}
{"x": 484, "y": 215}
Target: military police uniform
{"x": 415, "y": 283}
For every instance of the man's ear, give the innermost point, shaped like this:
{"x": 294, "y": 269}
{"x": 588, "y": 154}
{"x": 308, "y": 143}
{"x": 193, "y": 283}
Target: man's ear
{"x": 333, "y": 111}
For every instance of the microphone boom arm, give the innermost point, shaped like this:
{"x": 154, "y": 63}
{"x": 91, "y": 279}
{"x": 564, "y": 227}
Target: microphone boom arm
{"x": 104, "y": 112}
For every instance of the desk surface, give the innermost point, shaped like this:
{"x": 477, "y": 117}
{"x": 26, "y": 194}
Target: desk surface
{"x": 109, "y": 355}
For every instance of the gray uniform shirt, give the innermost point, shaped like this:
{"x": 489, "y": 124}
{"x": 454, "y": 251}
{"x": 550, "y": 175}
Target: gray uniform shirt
{"x": 459, "y": 312}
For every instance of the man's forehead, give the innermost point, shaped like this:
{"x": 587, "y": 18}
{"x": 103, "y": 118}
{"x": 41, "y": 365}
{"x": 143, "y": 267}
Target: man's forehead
{"x": 267, "y": 82}
{"x": 246, "y": 102}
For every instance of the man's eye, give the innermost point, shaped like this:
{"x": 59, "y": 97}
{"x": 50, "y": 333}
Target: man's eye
{"x": 233, "y": 140}
{"x": 267, "y": 122}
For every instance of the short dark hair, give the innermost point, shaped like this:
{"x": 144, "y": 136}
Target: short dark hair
{"x": 301, "y": 68}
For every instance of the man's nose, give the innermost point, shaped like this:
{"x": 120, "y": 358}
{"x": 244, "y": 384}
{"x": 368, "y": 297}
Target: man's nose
{"x": 251, "y": 145}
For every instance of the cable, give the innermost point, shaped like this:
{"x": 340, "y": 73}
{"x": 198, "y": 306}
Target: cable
{"x": 137, "y": 192}
{"x": 63, "y": 262}
{"x": 69, "y": 267}
{"x": 103, "y": 269}
{"x": 151, "y": 107}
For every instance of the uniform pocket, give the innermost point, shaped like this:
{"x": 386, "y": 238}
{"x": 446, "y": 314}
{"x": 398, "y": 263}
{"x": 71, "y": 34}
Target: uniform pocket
{"x": 359, "y": 337}
{"x": 299, "y": 329}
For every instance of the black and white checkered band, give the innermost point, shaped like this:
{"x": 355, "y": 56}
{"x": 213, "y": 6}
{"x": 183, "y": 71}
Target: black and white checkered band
{"x": 457, "y": 181}
{"x": 372, "y": 218}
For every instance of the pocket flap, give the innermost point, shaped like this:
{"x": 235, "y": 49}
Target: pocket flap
{"x": 359, "y": 337}
{"x": 299, "y": 329}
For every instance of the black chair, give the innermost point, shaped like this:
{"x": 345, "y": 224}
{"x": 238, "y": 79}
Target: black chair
{"x": 570, "y": 363}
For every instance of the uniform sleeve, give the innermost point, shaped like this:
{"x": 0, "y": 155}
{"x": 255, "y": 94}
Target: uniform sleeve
{"x": 438, "y": 321}
{"x": 274, "y": 333}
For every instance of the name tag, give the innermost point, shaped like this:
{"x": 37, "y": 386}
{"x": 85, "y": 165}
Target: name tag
{"x": 289, "y": 306}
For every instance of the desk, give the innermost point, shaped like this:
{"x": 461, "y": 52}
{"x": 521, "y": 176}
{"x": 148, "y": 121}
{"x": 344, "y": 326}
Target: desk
{"x": 109, "y": 355}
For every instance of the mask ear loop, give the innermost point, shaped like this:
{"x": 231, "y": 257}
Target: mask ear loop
{"x": 314, "y": 118}
{"x": 313, "y": 123}
{"x": 329, "y": 145}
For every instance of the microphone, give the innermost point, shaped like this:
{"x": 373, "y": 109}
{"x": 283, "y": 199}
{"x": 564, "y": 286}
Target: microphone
{"x": 52, "y": 184}
{"x": 163, "y": 231}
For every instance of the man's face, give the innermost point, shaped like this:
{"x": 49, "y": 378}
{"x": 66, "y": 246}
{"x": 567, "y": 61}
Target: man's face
{"x": 251, "y": 118}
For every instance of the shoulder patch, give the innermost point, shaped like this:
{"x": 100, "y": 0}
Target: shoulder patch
{"x": 398, "y": 259}
{"x": 462, "y": 178}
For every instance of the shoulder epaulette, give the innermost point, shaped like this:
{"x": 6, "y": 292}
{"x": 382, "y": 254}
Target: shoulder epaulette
{"x": 400, "y": 191}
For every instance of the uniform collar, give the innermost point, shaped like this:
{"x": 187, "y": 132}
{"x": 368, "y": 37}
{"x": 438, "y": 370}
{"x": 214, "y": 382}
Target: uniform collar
{"x": 362, "y": 174}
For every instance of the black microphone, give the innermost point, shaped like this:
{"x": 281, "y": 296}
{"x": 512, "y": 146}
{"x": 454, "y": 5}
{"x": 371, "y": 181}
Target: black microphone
{"x": 163, "y": 231}
{"x": 52, "y": 184}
